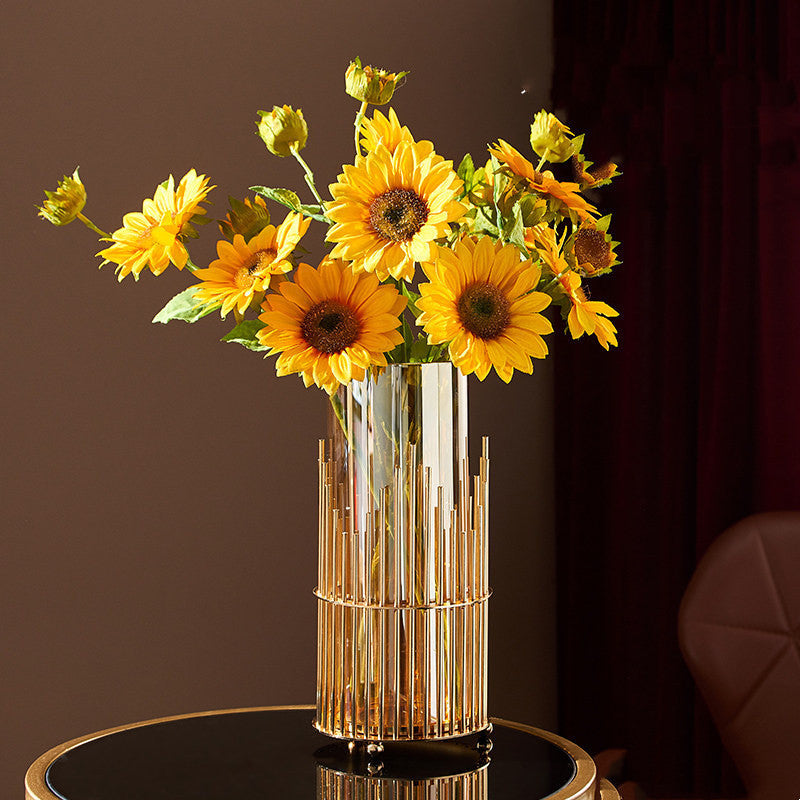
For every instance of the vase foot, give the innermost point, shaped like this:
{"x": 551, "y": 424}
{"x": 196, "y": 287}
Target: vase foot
{"x": 484, "y": 743}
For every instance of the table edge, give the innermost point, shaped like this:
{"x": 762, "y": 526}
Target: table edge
{"x": 36, "y": 787}
{"x": 581, "y": 787}
{"x": 583, "y": 784}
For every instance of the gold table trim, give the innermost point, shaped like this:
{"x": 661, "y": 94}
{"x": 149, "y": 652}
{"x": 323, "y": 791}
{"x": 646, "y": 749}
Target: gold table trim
{"x": 583, "y": 786}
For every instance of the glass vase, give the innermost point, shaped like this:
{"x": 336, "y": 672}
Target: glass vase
{"x": 403, "y": 561}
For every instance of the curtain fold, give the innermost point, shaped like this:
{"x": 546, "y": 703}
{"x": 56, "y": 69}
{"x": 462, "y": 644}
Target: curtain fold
{"x": 692, "y": 423}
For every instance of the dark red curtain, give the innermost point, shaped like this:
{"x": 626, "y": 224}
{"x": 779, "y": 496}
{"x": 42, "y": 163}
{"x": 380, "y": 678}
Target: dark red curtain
{"x": 694, "y": 422}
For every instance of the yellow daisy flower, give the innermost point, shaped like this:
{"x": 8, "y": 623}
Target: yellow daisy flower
{"x": 152, "y": 238}
{"x": 244, "y": 269}
{"x": 331, "y": 324}
{"x": 564, "y": 192}
{"x": 481, "y": 301}
{"x": 588, "y": 316}
{"x": 389, "y": 208}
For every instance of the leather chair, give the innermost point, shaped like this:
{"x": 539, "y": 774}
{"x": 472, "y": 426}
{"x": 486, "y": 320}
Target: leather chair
{"x": 739, "y": 631}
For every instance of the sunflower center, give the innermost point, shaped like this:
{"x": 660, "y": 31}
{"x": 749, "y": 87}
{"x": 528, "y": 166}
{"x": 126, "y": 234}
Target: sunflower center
{"x": 398, "y": 214}
{"x": 592, "y": 248}
{"x": 259, "y": 261}
{"x": 330, "y": 326}
{"x": 484, "y": 310}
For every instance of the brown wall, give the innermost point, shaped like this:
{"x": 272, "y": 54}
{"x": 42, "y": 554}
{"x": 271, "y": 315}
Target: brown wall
{"x": 158, "y": 546}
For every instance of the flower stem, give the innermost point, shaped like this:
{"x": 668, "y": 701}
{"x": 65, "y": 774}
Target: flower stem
{"x": 89, "y": 224}
{"x": 542, "y": 161}
{"x": 309, "y": 176}
{"x": 357, "y": 123}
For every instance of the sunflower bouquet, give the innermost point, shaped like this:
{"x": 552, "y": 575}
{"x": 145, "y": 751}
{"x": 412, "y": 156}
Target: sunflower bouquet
{"x": 498, "y": 246}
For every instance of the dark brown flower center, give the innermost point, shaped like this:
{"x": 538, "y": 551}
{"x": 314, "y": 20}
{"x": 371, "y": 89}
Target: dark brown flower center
{"x": 260, "y": 260}
{"x": 592, "y": 249}
{"x": 398, "y": 214}
{"x": 330, "y": 326}
{"x": 484, "y": 310}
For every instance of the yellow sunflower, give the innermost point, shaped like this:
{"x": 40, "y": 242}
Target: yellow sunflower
{"x": 564, "y": 192}
{"x": 384, "y": 130}
{"x": 389, "y": 208}
{"x": 585, "y": 316}
{"x": 588, "y": 316}
{"x": 331, "y": 324}
{"x": 593, "y": 249}
{"x": 243, "y": 270}
{"x": 152, "y": 238}
{"x": 481, "y": 300}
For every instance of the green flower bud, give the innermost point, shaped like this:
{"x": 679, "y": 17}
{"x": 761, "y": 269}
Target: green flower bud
{"x": 247, "y": 218}
{"x": 66, "y": 202}
{"x": 550, "y": 138}
{"x": 370, "y": 84}
{"x": 283, "y": 130}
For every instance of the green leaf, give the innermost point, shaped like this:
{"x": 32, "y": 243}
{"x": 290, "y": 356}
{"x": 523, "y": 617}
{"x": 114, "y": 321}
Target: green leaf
{"x": 183, "y": 306}
{"x": 514, "y": 228}
{"x": 532, "y": 214}
{"x": 412, "y": 299}
{"x": 245, "y": 334}
{"x": 484, "y": 225}
{"x": 420, "y": 351}
{"x": 315, "y": 212}
{"x": 466, "y": 171}
{"x": 286, "y": 197}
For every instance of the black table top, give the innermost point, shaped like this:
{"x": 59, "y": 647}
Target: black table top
{"x": 266, "y": 753}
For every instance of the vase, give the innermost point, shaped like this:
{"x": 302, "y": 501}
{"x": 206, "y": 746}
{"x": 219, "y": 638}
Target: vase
{"x": 403, "y": 561}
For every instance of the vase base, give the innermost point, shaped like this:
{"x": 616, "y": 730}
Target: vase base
{"x": 409, "y": 759}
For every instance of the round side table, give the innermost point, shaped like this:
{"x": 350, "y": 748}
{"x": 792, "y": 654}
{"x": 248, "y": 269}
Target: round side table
{"x": 275, "y": 752}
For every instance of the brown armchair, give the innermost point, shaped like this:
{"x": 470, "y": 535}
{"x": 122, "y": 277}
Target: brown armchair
{"x": 739, "y": 630}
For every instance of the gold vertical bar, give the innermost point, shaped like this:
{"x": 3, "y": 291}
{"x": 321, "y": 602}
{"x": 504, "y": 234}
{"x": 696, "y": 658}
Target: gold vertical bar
{"x": 451, "y": 552}
{"x": 382, "y": 672}
{"x": 397, "y": 687}
{"x": 465, "y": 677}
{"x": 426, "y": 651}
{"x": 369, "y": 669}
{"x": 439, "y": 546}
{"x": 440, "y": 672}
{"x": 399, "y": 538}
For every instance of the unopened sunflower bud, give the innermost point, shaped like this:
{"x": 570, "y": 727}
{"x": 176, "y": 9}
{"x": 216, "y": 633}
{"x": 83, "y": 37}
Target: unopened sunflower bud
{"x": 66, "y": 202}
{"x": 247, "y": 218}
{"x": 283, "y": 130}
{"x": 371, "y": 84}
{"x": 550, "y": 138}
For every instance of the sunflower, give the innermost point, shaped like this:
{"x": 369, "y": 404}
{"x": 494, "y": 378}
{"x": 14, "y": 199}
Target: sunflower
{"x": 243, "y": 270}
{"x": 152, "y": 237}
{"x": 564, "y": 193}
{"x": 384, "y": 130}
{"x": 331, "y": 324}
{"x": 389, "y": 207}
{"x": 588, "y": 316}
{"x": 481, "y": 301}
{"x": 593, "y": 249}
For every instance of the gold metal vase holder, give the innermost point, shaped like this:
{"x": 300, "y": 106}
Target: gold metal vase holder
{"x": 403, "y": 563}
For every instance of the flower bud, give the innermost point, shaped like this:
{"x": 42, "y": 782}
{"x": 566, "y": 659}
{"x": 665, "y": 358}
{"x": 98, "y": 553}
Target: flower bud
{"x": 283, "y": 130}
{"x": 550, "y": 138}
{"x": 370, "y": 84}
{"x": 66, "y": 202}
{"x": 247, "y": 218}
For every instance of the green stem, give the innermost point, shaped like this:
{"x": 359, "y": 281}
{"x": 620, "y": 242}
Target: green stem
{"x": 360, "y": 116}
{"x": 309, "y": 175}
{"x": 89, "y": 224}
{"x": 542, "y": 161}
